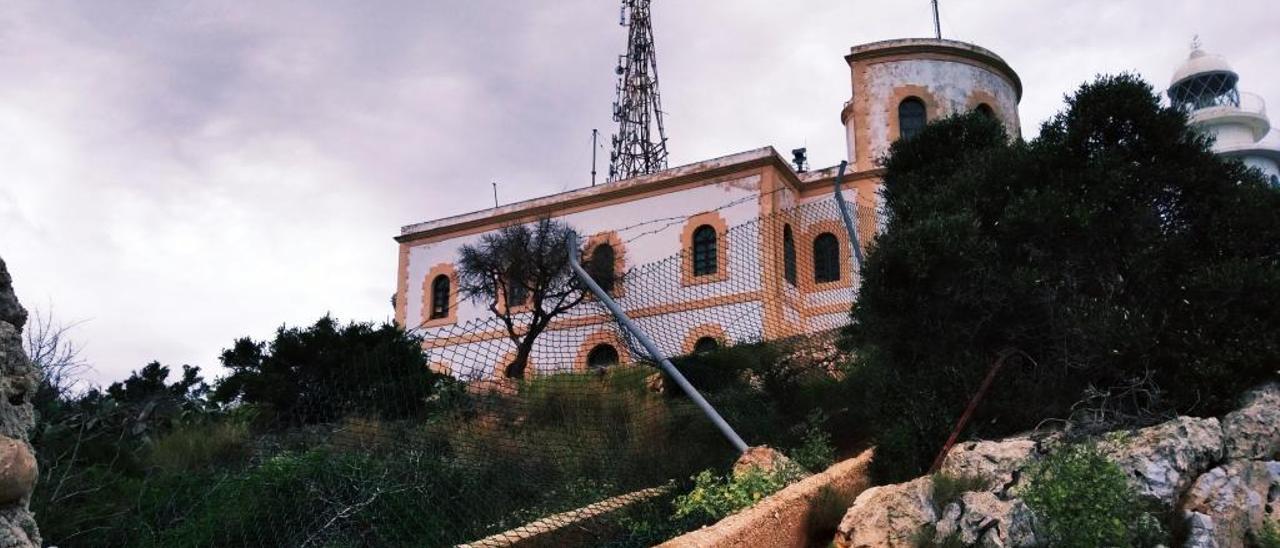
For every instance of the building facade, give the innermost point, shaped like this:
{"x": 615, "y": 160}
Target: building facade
{"x": 738, "y": 248}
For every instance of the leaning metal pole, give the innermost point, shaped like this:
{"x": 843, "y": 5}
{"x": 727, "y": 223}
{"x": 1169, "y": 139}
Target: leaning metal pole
{"x": 849, "y": 225}
{"x": 652, "y": 348}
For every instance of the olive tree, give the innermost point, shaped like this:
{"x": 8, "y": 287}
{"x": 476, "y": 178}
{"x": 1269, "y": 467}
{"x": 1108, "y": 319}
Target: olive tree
{"x": 521, "y": 273}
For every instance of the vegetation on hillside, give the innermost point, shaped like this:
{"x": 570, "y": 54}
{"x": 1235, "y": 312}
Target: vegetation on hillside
{"x": 1136, "y": 268}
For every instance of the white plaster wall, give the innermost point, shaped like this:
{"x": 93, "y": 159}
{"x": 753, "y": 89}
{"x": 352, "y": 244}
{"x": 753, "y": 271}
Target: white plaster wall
{"x": 950, "y": 83}
{"x": 665, "y": 217}
{"x": 1230, "y": 136}
{"x": 1266, "y": 165}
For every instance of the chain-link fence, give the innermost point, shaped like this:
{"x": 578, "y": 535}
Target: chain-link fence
{"x": 588, "y": 446}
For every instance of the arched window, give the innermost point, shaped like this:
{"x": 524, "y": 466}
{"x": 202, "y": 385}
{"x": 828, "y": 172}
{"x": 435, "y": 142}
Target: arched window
{"x": 1275, "y": 181}
{"x": 440, "y": 297}
{"x": 601, "y": 266}
{"x": 826, "y": 258}
{"x": 602, "y": 356}
{"x": 788, "y": 255}
{"x": 517, "y": 294}
{"x": 911, "y": 117}
{"x": 704, "y": 251}
{"x": 985, "y": 110}
{"x": 705, "y": 345}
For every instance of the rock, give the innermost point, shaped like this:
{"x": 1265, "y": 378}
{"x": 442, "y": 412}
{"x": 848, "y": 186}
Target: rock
{"x": 999, "y": 462}
{"x": 768, "y": 460}
{"x": 889, "y": 515}
{"x": 18, "y": 380}
{"x": 1253, "y": 431}
{"x": 1232, "y": 500}
{"x": 656, "y": 383}
{"x": 17, "y": 470}
{"x": 10, "y": 311}
{"x": 1162, "y": 461}
{"x": 1272, "y": 507}
{"x": 982, "y": 518}
{"x": 1199, "y": 531}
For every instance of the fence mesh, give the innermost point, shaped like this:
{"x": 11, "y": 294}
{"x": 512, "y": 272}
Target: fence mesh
{"x": 590, "y": 447}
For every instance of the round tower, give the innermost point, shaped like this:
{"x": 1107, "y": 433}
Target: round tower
{"x": 1205, "y": 87}
{"x": 900, "y": 85}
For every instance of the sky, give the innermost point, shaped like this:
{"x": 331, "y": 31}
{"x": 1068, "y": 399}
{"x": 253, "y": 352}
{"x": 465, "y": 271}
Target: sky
{"x": 176, "y": 175}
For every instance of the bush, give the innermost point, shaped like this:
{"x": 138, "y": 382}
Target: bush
{"x": 815, "y": 452}
{"x": 1081, "y": 499}
{"x": 198, "y": 447}
{"x": 1269, "y": 537}
{"x": 1115, "y": 246}
{"x": 714, "y": 497}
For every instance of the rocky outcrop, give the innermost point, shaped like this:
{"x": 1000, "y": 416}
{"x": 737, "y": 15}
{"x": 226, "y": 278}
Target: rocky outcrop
{"x": 1253, "y": 431}
{"x": 981, "y": 518}
{"x": 1163, "y": 460}
{"x": 889, "y": 515}
{"x": 1221, "y": 476}
{"x": 18, "y": 381}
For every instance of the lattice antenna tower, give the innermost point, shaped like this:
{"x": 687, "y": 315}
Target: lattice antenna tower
{"x": 638, "y": 107}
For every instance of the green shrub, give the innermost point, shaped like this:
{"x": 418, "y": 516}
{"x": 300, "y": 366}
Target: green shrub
{"x": 1082, "y": 499}
{"x": 1269, "y": 537}
{"x": 715, "y": 497}
{"x": 948, "y": 489}
{"x": 1115, "y": 246}
{"x": 815, "y": 451}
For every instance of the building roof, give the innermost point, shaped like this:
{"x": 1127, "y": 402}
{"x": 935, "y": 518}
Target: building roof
{"x": 671, "y": 177}
{"x": 1198, "y": 63}
{"x": 925, "y": 46}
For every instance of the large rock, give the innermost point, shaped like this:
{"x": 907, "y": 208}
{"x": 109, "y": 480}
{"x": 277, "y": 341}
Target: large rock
{"x": 980, "y": 518}
{"x": 1162, "y": 461}
{"x": 18, "y": 381}
{"x": 1227, "y": 504}
{"x": 763, "y": 458}
{"x": 999, "y": 462}
{"x": 1253, "y": 431}
{"x": 889, "y": 515}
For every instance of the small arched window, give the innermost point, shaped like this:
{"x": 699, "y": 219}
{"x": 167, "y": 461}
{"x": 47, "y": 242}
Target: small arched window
{"x": 788, "y": 255}
{"x": 602, "y": 356}
{"x": 704, "y": 251}
{"x": 440, "y": 297}
{"x": 601, "y": 266}
{"x": 911, "y": 117}
{"x": 1275, "y": 181}
{"x": 705, "y": 344}
{"x": 985, "y": 110}
{"x": 826, "y": 258}
{"x": 517, "y": 294}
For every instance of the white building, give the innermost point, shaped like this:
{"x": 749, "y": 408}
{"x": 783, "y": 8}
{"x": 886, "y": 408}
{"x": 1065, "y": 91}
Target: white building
{"x": 726, "y": 212}
{"x": 1205, "y": 87}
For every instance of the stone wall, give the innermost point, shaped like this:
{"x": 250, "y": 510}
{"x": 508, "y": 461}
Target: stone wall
{"x": 18, "y": 381}
{"x": 1220, "y": 476}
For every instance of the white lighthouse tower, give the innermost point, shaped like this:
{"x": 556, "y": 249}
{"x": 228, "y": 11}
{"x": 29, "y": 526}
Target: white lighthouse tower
{"x": 1205, "y": 88}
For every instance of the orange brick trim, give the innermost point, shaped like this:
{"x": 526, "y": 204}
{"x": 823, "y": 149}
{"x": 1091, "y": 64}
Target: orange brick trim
{"x": 596, "y": 339}
{"x": 619, "y": 257}
{"x": 705, "y": 330}
{"x": 805, "y": 256}
{"x": 442, "y": 269}
{"x": 441, "y": 368}
{"x": 715, "y": 221}
{"x": 402, "y": 287}
{"x": 932, "y": 109}
{"x": 982, "y": 96}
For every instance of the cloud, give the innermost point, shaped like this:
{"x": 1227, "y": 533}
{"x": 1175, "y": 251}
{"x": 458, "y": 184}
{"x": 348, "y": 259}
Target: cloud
{"x": 182, "y": 174}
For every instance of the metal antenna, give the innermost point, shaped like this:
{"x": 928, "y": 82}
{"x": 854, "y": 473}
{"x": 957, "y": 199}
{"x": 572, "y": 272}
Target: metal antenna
{"x": 594, "y": 134}
{"x": 638, "y": 108}
{"x": 937, "y": 24}
{"x": 495, "y": 193}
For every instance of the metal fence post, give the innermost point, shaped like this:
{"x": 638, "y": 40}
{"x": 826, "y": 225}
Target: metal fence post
{"x": 849, "y": 225}
{"x": 689, "y": 390}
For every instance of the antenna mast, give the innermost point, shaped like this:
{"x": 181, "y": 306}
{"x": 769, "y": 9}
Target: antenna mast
{"x": 638, "y": 108}
{"x": 937, "y": 25}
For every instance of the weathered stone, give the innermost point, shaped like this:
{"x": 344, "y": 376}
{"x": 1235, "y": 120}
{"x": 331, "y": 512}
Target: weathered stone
{"x": 1162, "y": 461}
{"x": 1233, "y": 498}
{"x": 1199, "y": 531}
{"x": 768, "y": 460}
{"x": 999, "y": 462}
{"x": 10, "y": 311}
{"x": 889, "y": 515}
{"x": 656, "y": 383}
{"x": 1253, "y": 431}
{"x": 982, "y": 518}
{"x": 17, "y": 470}
{"x": 1272, "y": 508}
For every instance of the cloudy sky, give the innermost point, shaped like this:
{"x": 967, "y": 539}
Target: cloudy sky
{"x": 179, "y": 174}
